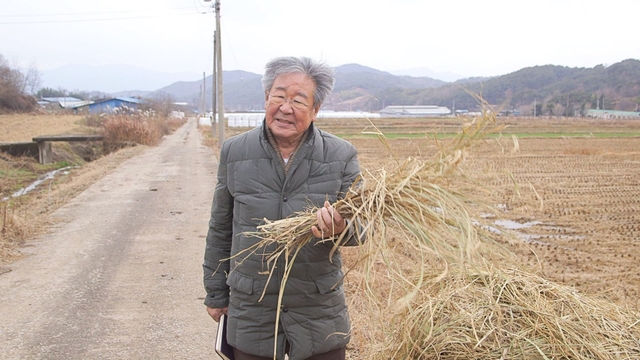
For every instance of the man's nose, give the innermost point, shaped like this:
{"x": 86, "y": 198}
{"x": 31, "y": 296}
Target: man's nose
{"x": 286, "y": 107}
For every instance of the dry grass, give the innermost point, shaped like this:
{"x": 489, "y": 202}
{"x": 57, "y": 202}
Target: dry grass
{"x": 24, "y": 127}
{"x": 13, "y": 231}
{"x": 137, "y": 128}
{"x": 27, "y": 216}
{"x": 506, "y": 313}
{"x": 19, "y": 217}
{"x": 439, "y": 285}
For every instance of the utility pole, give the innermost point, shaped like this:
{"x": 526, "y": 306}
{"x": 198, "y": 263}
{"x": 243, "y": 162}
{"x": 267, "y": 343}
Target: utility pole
{"x": 217, "y": 75}
{"x": 200, "y": 102}
{"x": 218, "y": 45}
{"x": 213, "y": 89}
{"x": 204, "y": 94}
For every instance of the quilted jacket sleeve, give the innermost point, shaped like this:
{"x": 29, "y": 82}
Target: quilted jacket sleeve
{"x": 218, "y": 247}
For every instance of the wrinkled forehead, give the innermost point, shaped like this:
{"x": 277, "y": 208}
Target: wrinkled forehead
{"x": 294, "y": 84}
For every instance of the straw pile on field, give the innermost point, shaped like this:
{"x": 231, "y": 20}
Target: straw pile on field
{"x": 441, "y": 284}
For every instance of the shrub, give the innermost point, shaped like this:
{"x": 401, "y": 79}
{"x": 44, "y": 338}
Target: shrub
{"x": 136, "y": 128}
{"x": 12, "y": 89}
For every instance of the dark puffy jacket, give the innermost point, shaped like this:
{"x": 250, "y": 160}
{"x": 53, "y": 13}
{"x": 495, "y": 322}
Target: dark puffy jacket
{"x": 251, "y": 187}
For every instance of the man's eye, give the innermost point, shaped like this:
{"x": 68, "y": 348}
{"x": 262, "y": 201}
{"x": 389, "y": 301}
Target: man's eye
{"x": 299, "y": 103}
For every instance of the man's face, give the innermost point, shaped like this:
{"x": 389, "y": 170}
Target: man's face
{"x": 289, "y": 120}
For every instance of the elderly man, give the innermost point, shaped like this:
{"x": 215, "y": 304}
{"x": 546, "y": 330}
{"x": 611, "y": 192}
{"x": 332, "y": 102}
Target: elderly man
{"x": 271, "y": 172}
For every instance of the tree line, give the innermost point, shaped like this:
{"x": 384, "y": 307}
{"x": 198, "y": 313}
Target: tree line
{"x": 15, "y": 87}
{"x": 20, "y": 89}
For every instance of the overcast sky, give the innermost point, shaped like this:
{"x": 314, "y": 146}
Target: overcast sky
{"x": 466, "y": 37}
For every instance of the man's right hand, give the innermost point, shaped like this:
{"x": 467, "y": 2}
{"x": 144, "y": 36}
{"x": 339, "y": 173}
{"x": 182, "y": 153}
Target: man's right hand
{"x": 215, "y": 313}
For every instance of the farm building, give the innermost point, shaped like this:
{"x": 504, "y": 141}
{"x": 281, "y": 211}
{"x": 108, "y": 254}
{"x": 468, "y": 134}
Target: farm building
{"x": 613, "y": 114}
{"x": 414, "y": 111}
{"x": 109, "y": 105}
{"x": 66, "y": 102}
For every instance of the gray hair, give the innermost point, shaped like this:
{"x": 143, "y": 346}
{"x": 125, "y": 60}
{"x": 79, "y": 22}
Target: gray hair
{"x": 321, "y": 74}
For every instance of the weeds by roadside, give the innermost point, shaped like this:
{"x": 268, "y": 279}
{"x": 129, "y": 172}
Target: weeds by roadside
{"x": 12, "y": 231}
{"x": 121, "y": 129}
{"x": 26, "y": 216}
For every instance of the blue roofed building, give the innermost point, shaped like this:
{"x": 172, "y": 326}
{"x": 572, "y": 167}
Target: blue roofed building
{"x": 65, "y": 102}
{"x": 107, "y": 106}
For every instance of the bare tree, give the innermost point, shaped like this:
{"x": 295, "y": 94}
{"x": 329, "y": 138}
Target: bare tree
{"x": 9, "y": 77}
{"x": 161, "y": 103}
{"x": 33, "y": 79}
{"x": 12, "y": 87}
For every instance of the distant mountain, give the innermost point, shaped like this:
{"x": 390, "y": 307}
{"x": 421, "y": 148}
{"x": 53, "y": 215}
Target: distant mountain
{"x": 353, "y": 88}
{"x": 242, "y": 91}
{"x": 426, "y": 72}
{"x": 109, "y": 78}
{"x": 552, "y": 89}
{"x": 354, "y": 75}
{"x": 475, "y": 79}
{"x": 132, "y": 93}
{"x": 357, "y": 87}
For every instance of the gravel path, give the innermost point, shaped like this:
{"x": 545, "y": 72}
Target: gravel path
{"x": 120, "y": 276}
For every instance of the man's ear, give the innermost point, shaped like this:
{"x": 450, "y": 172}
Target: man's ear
{"x": 315, "y": 113}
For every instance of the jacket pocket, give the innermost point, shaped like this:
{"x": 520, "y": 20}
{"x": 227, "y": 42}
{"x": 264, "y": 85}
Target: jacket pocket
{"x": 330, "y": 282}
{"x": 240, "y": 282}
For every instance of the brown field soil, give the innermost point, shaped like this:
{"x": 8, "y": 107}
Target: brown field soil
{"x": 577, "y": 197}
{"x": 574, "y": 200}
{"x": 23, "y": 127}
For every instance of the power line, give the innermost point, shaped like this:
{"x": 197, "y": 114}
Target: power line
{"x": 94, "y": 19}
{"x": 228, "y": 41}
{"x": 92, "y": 13}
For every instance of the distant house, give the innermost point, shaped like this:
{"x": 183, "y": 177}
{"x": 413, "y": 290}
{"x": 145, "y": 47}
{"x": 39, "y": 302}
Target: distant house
{"x": 415, "y": 111}
{"x": 66, "y": 102}
{"x": 107, "y": 106}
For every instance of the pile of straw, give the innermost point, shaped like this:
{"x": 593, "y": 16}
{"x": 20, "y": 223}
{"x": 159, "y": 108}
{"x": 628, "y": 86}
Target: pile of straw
{"x": 439, "y": 281}
{"x": 509, "y": 314}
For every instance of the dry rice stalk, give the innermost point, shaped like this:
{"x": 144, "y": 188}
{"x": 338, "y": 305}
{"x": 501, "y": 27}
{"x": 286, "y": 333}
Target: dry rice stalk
{"x": 418, "y": 197}
{"x": 494, "y": 313}
{"x": 427, "y": 279}
{"x": 428, "y": 199}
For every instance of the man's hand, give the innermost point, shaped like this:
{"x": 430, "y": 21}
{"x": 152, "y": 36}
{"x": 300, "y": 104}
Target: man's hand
{"x": 330, "y": 222}
{"x": 215, "y": 313}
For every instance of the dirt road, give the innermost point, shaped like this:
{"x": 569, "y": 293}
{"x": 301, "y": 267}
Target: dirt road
{"x": 120, "y": 277}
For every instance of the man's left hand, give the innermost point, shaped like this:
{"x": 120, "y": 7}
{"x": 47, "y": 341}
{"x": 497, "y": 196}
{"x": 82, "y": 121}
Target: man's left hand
{"x": 330, "y": 222}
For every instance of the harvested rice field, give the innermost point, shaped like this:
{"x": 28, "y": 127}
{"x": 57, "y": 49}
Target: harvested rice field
{"x": 24, "y": 127}
{"x": 573, "y": 199}
{"x": 568, "y": 192}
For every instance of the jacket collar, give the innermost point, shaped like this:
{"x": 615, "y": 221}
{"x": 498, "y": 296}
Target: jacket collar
{"x": 296, "y": 153}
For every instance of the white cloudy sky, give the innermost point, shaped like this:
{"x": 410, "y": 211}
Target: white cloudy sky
{"x": 467, "y": 37}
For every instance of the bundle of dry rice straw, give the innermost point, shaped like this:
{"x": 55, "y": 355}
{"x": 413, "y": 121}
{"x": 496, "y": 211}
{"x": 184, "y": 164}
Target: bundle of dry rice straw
{"x": 437, "y": 279}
